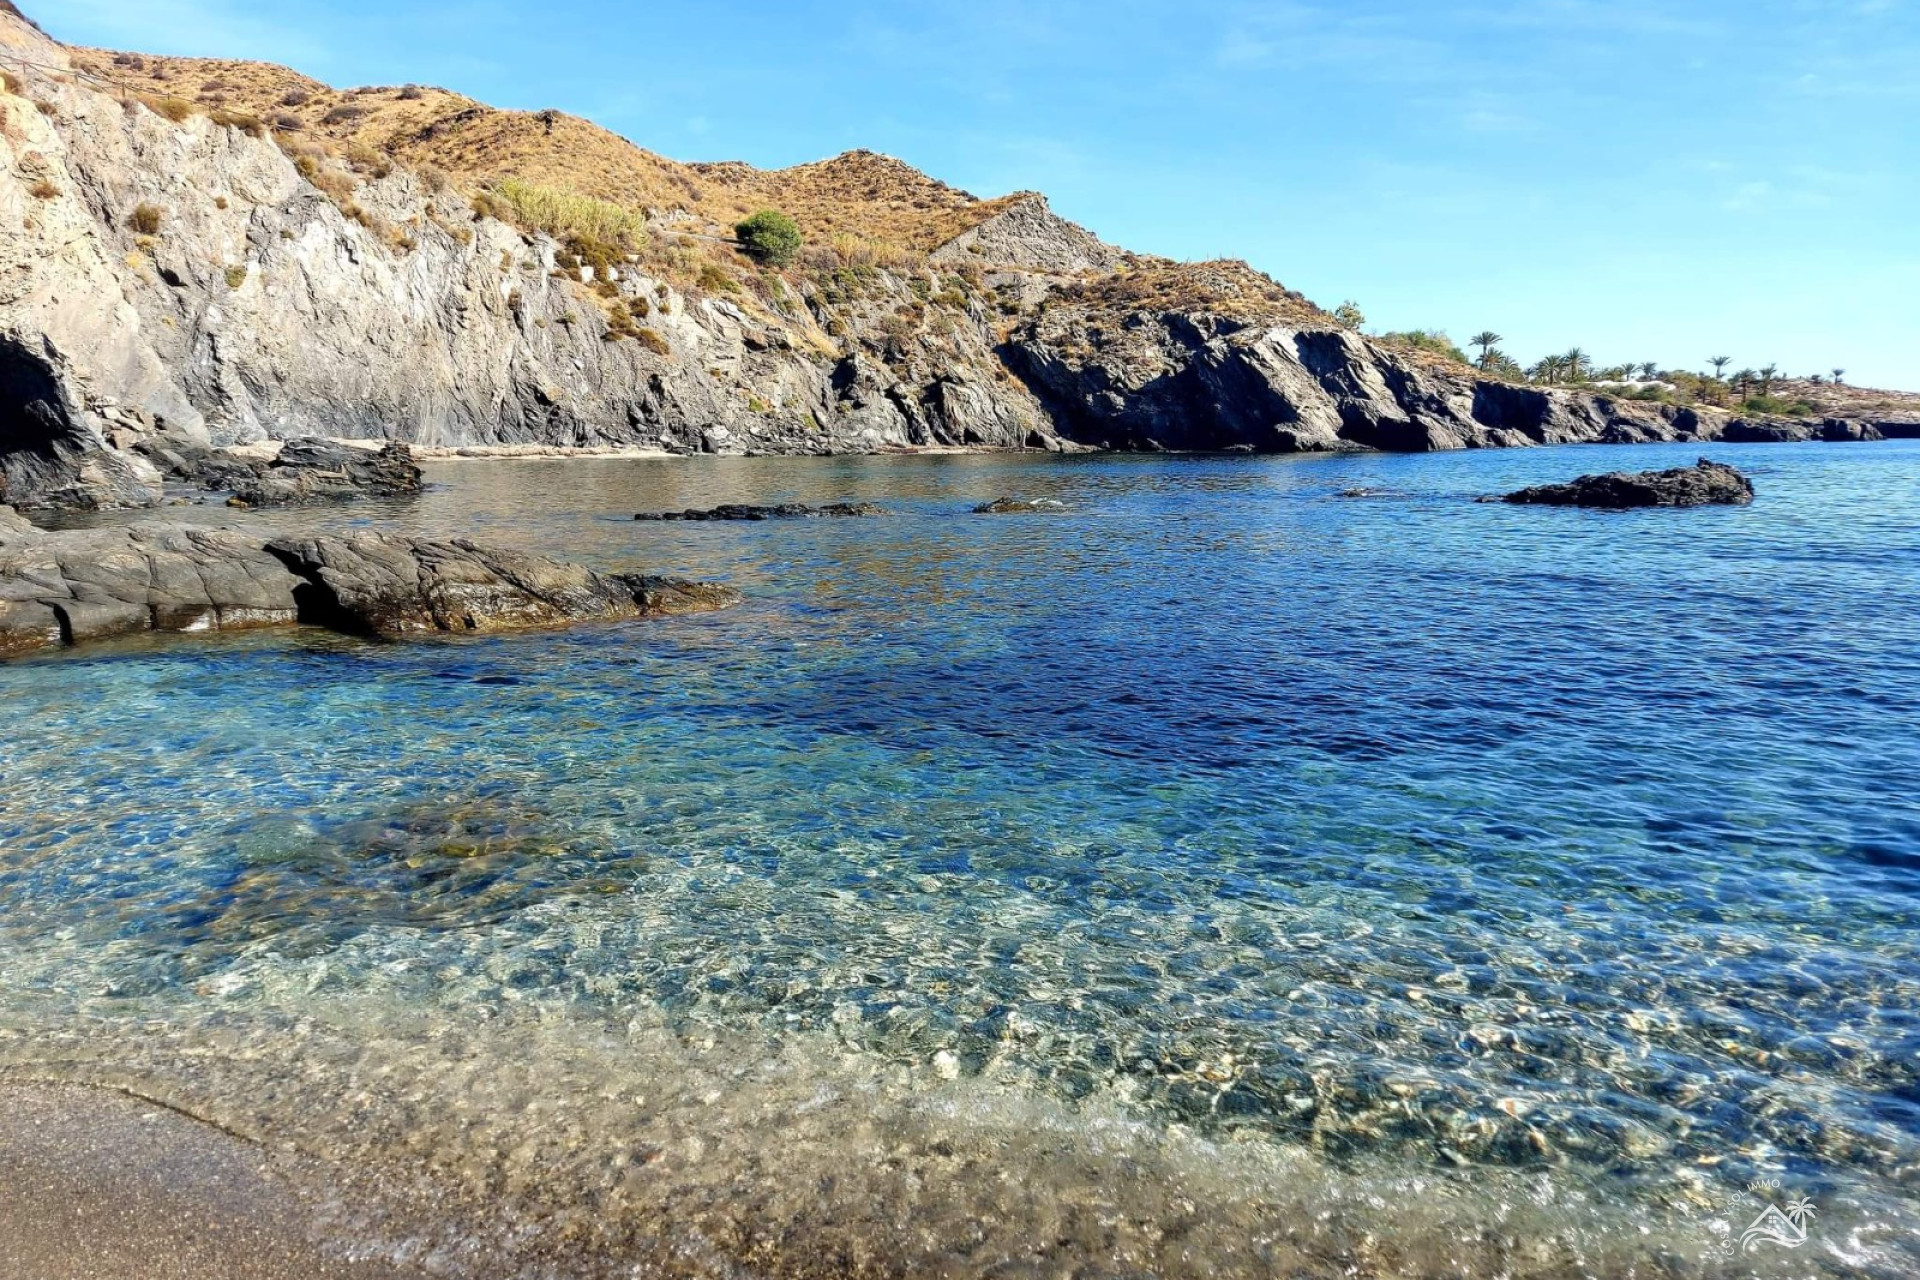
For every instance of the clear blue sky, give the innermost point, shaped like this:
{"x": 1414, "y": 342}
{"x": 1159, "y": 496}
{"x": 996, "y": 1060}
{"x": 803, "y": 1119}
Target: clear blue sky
{"x": 1650, "y": 181}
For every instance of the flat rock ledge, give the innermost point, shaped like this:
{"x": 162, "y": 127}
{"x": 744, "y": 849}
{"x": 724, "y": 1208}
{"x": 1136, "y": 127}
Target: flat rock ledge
{"x": 93, "y": 584}
{"x": 1703, "y": 484}
{"x": 305, "y": 470}
{"x": 781, "y": 511}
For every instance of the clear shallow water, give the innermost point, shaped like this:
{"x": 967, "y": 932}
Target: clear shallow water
{"x": 1220, "y": 876}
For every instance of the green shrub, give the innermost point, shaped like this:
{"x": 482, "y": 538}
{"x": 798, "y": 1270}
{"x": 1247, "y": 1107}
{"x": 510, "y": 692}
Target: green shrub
{"x": 145, "y": 218}
{"x": 1773, "y": 404}
{"x": 769, "y": 237}
{"x": 236, "y": 276}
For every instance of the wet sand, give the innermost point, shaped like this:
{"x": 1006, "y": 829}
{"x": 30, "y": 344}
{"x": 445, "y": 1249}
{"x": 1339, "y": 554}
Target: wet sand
{"x": 95, "y": 1185}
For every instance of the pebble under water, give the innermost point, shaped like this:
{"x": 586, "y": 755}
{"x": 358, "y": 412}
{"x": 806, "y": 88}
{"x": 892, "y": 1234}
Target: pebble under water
{"x": 1216, "y": 876}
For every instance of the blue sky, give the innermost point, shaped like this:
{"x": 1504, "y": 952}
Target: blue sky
{"x": 1649, "y": 181}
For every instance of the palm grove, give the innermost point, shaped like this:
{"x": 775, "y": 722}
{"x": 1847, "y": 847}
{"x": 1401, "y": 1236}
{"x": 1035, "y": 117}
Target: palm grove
{"x": 1749, "y": 389}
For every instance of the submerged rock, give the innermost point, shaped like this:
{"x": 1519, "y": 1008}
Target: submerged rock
{"x": 1017, "y": 506}
{"x": 67, "y": 588}
{"x": 1848, "y": 431}
{"x": 1702, "y": 484}
{"x": 782, "y": 511}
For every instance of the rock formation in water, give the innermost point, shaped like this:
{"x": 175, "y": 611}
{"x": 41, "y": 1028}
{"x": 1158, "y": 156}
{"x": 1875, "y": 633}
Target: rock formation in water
{"x": 301, "y": 471}
{"x": 780, "y": 511}
{"x": 92, "y": 584}
{"x": 206, "y": 253}
{"x": 1703, "y": 484}
{"x": 1019, "y": 506}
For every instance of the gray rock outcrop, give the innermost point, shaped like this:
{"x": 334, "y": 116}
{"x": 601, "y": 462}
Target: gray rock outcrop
{"x": 1705, "y": 483}
{"x": 302, "y": 471}
{"x": 72, "y": 587}
{"x": 1030, "y": 236}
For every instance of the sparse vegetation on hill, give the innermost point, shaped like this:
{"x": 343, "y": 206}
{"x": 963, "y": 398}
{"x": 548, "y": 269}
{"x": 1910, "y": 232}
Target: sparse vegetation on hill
{"x": 881, "y": 200}
{"x": 1225, "y": 287}
{"x": 1431, "y": 341}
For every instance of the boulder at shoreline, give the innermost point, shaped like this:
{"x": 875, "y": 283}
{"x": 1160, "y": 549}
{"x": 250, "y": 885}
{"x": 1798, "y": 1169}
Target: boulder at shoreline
{"x": 1703, "y": 484}
{"x": 304, "y": 470}
{"x": 93, "y": 584}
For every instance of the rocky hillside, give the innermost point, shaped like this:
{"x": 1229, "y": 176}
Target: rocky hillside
{"x": 227, "y": 252}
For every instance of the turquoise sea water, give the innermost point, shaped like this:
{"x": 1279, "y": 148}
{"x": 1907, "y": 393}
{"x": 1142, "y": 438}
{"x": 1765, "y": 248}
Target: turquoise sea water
{"x": 1219, "y": 876}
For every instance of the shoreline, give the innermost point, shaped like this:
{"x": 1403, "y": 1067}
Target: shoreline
{"x": 104, "y": 1186}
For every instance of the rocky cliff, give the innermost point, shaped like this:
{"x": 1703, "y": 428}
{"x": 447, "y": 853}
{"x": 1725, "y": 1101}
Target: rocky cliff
{"x": 183, "y": 266}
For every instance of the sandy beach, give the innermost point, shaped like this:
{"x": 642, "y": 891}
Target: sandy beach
{"x": 101, "y": 1186}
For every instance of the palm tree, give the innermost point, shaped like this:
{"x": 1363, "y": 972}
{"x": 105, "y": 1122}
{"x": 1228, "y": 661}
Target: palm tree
{"x": 1649, "y": 371}
{"x": 1548, "y": 370}
{"x": 1486, "y": 339}
{"x": 1798, "y": 1211}
{"x": 1575, "y": 362}
{"x": 1742, "y": 380}
{"x": 1767, "y": 375}
{"x": 1837, "y": 374}
{"x": 1720, "y": 364}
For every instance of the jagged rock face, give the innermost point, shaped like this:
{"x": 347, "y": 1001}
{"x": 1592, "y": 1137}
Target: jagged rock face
{"x": 1181, "y": 380}
{"x": 69, "y": 588}
{"x": 1031, "y": 236}
{"x": 258, "y": 308}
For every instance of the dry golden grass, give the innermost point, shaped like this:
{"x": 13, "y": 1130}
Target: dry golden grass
{"x": 1842, "y": 400}
{"x": 1224, "y": 287}
{"x": 888, "y": 204}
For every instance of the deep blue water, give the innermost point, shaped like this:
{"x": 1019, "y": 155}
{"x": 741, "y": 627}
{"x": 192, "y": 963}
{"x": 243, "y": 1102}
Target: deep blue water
{"x": 1397, "y": 832}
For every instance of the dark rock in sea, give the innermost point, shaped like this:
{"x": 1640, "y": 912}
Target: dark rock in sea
{"x": 1017, "y": 506}
{"x": 1847, "y": 431}
{"x": 782, "y": 511}
{"x": 1898, "y": 429}
{"x": 1767, "y": 431}
{"x": 1360, "y": 493}
{"x": 1702, "y": 484}
{"x": 91, "y": 584}
{"x": 305, "y": 470}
